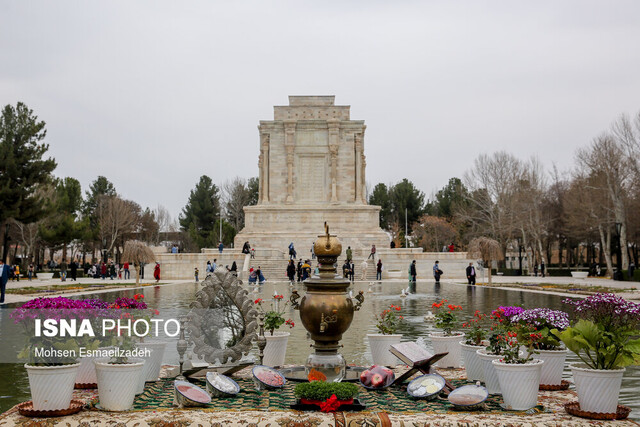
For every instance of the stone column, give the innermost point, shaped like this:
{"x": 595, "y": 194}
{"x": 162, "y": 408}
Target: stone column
{"x": 263, "y": 164}
{"x": 289, "y": 143}
{"x": 358, "y": 159}
{"x": 363, "y": 166}
{"x": 334, "y": 140}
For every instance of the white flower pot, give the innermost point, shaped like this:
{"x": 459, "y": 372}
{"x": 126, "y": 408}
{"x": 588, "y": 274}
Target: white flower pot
{"x": 447, "y": 344}
{"x": 472, "y": 363}
{"x": 86, "y": 373}
{"x": 490, "y": 377}
{"x": 117, "y": 383}
{"x": 598, "y": 389}
{"x": 276, "y": 348}
{"x": 380, "y": 345}
{"x": 51, "y": 386}
{"x": 519, "y": 383}
{"x": 153, "y": 363}
{"x": 553, "y": 366}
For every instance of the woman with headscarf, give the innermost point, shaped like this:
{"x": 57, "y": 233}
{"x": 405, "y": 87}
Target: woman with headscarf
{"x": 156, "y": 272}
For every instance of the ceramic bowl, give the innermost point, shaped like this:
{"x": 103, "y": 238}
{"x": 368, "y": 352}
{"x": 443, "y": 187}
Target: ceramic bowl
{"x": 215, "y": 391}
{"x": 266, "y": 378}
{"x": 469, "y": 397}
{"x": 426, "y": 386}
{"x": 188, "y": 394}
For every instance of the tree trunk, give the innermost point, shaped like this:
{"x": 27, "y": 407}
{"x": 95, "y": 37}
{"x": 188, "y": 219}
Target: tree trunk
{"x": 137, "y": 268}
{"x": 606, "y": 243}
{"x": 489, "y": 272}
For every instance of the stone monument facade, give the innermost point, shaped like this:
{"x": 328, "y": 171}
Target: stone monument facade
{"x": 311, "y": 170}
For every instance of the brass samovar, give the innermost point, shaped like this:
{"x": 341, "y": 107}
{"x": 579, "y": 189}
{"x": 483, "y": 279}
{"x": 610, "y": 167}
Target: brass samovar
{"x": 326, "y": 310}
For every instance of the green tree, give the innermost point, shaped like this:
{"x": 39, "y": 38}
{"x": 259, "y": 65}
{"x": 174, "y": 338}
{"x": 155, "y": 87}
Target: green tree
{"x": 380, "y": 197}
{"x": 405, "y": 195}
{"x": 22, "y": 167}
{"x": 199, "y": 216}
{"x": 100, "y": 187}
{"x": 450, "y": 198}
{"x": 254, "y": 190}
{"x": 64, "y": 226}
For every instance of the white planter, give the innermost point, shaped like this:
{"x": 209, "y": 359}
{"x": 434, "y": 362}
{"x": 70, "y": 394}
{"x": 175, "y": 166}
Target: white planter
{"x": 580, "y": 275}
{"x": 445, "y": 344}
{"x": 519, "y": 383}
{"x": 380, "y": 345}
{"x": 598, "y": 389}
{"x": 472, "y": 363}
{"x": 153, "y": 363}
{"x": 86, "y": 371}
{"x": 276, "y": 348}
{"x": 51, "y": 386}
{"x": 45, "y": 276}
{"x": 553, "y": 367}
{"x": 490, "y": 377}
{"x": 117, "y": 383}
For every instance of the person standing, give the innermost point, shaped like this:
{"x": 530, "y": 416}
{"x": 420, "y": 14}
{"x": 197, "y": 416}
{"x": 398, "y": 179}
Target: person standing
{"x": 196, "y": 272}
{"x": 74, "y": 270}
{"x": 471, "y": 274}
{"x": 103, "y": 270}
{"x": 451, "y": 248}
{"x": 313, "y": 251}
{"x": 214, "y": 265}
{"x": 16, "y": 272}
{"x": 234, "y": 269}
{"x": 352, "y": 271}
{"x": 30, "y": 271}
{"x": 379, "y": 270}
{"x": 292, "y": 251}
{"x": 127, "y": 273}
{"x": 291, "y": 271}
{"x": 220, "y": 247}
{"x": 299, "y": 270}
{"x": 345, "y": 270}
{"x": 542, "y": 268}
{"x": 4, "y": 278}
{"x": 437, "y": 272}
{"x": 208, "y": 269}
{"x": 413, "y": 274}
{"x": 364, "y": 266}
{"x": 112, "y": 271}
{"x": 349, "y": 254}
{"x": 63, "y": 270}
{"x": 373, "y": 252}
{"x": 156, "y": 272}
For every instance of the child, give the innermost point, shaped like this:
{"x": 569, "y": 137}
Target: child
{"x": 196, "y": 274}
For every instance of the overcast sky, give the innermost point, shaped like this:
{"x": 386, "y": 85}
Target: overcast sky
{"x": 154, "y": 94}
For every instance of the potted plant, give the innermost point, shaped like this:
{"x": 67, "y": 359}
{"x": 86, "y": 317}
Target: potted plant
{"x": 447, "y": 341}
{"x": 500, "y": 326}
{"x": 121, "y": 374}
{"x": 276, "y": 348}
{"x": 518, "y": 374}
{"x": 153, "y": 362}
{"x": 328, "y": 396}
{"x": 387, "y": 323}
{"x": 51, "y": 375}
{"x": 604, "y": 337}
{"x": 549, "y": 348}
{"x": 475, "y": 339}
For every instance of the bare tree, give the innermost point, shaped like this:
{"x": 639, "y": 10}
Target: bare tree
{"x": 163, "y": 218}
{"x": 137, "y": 253}
{"x": 116, "y": 218}
{"x": 235, "y": 196}
{"x": 486, "y": 249}
{"x": 606, "y": 157}
{"x": 433, "y": 232}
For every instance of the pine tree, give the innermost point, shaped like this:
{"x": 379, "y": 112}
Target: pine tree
{"x": 22, "y": 167}
{"x": 199, "y": 216}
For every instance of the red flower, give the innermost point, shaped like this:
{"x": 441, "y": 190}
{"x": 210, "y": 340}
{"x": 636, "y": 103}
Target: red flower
{"x": 156, "y": 312}
{"x": 258, "y": 301}
{"x": 278, "y": 296}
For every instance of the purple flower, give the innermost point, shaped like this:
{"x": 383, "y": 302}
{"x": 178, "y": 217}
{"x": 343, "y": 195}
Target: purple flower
{"x": 608, "y": 310}
{"x": 543, "y": 317}
{"x": 510, "y": 311}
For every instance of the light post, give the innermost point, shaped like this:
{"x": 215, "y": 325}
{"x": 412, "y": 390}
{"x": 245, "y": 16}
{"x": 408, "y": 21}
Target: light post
{"x": 618, "y": 273}
{"x": 220, "y": 221}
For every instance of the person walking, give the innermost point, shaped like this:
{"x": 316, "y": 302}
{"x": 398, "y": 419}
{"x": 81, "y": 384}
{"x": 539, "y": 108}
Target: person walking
{"x": 363, "y": 267}
{"x": 373, "y": 252}
{"x": 63, "y": 270}
{"x": 112, "y": 271}
{"x": 127, "y": 272}
{"x": 253, "y": 253}
{"x": 291, "y": 271}
{"x": 196, "y": 272}
{"x": 214, "y": 265}
{"x": 349, "y": 254}
{"x": 352, "y": 271}
{"x": 220, "y": 247}
{"x": 208, "y": 269}
{"x": 413, "y": 276}
{"x": 74, "y": 270}
{"x": 292, "y": 251}
{"x": 471, "y": 274}
{"x": 156, "y": 272}
{"x": 379, "y": 270}
{"x": 437, "y": 272}
{"x": 30, "y": 271}
{"x": 542, "y": 268}
{"x": 16, "y": 272}
{"x": 103, "y": 270}
{"x": 4, "y": 278}
{"x": 299, "y": 270}
{"x": 345, "y": 270}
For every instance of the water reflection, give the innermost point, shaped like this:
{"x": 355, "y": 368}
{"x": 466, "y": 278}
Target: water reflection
{"x": 174, "y": 300}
